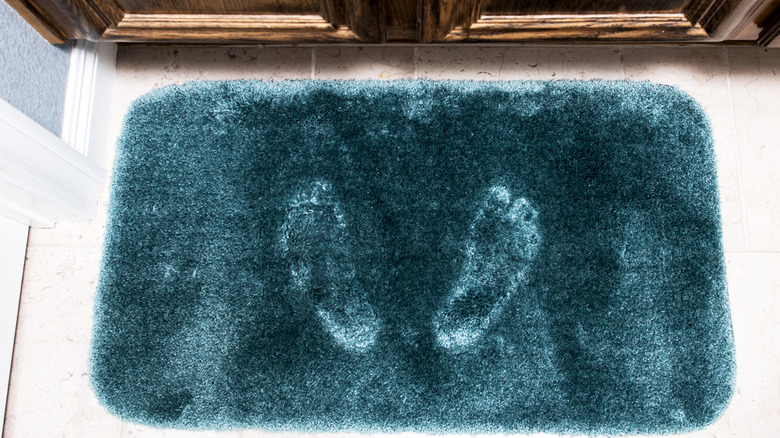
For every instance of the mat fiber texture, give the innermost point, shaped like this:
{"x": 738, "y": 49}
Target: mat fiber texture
{"x": 415, "y": 255}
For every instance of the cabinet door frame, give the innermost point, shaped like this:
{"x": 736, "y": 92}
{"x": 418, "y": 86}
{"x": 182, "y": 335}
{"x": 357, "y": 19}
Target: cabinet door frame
{"x": 338, "y": 21}
{"x": 464, "y": 21}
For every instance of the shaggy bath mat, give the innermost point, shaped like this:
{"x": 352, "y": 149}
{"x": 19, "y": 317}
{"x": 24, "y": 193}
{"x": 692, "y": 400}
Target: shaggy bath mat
{"x": 428, "y": 256}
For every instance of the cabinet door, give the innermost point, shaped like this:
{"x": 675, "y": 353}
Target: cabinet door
{"x": 571, "y": 20}
{"x": 234, "y": 21}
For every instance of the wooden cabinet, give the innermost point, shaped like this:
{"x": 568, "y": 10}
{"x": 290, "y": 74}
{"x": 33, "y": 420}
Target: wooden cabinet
{"x": 236, "y": 21}
{"x": 411, "y": 21}
{"x": 500, "y": 20}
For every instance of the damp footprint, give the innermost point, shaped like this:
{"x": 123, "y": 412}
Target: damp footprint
{"x": 314, "y": 242}
{"x": 504, "y": 239}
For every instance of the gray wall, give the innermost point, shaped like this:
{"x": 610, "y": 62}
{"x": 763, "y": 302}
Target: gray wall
{"x": 33, "y": 73}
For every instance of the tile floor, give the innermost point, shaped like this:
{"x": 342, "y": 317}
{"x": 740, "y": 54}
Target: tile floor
{"x": 739, "y": 87}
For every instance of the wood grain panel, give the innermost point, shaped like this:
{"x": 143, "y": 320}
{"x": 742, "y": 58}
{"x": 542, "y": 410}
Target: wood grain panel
{"x": 367, "y": 19}
{"x": 542, "y": 20}
{"x": 331, "y": 12}
{"x": 695, "y": 9}
{"x": 608, "y": 27}
{"x": 770, "y": 30}
{"x": 438, "y": 17}
{"x": 748, "y": 20}
{"x": 219, "y": 7}
{"x": 716, "y": 13}
{"x": 401, "y": 20}
{"x": 723, "y": 19}
{"x": 574, "y": 7}
{"x": 340, "y": 21}
{"x": 69, "y": 19}
{"x": 40, "y": 21}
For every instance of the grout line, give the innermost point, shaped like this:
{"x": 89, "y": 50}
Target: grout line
{"x": 622, "y": 61}
{"x": 533, "y": 45}
{"x": 416, "y": 64}
{"x": 313, "y": 61}
{"x": 740, "y": 183}
{"x": 123, "y": 430}
{"x": 751, "y": 251}
{"x": 67, "y": 245}
{"x": 10, "y": 370}
{"x": 501, "y": 67}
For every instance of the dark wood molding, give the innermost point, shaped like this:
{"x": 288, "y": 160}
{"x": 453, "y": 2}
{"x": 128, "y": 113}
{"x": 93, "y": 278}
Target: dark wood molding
{"x": 473, "y": 21}
{"x": 40, "y": 21}
{"x": 606, "y": 27}
{"x": 770, "y": 29}
{"x": 106, "y": 12}
{"x": 341, "y": 21}
{"x": 695, "y": 9}
{"x": 331, "y": 13}
{"x": 715, "y": 15}
{"x": 366, "y": 19}
{"x": 228, "y": 28}
{"x": 722, "y": 19}
{"x": 401, "y": 20}
{"x": 60, "y": 20}
{"x": 439, "y": 18}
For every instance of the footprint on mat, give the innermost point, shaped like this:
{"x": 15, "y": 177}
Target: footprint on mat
{"x": 314, "y": 243}
{"x": 504, "y": 239}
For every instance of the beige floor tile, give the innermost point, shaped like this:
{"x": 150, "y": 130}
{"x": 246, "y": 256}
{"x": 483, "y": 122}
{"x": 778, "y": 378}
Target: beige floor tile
{"x": 702, "y": 73}
{"x": 460, "y": 62}
{"x": 755, "y": 85}
{"x": 266, "y": 434}
{"x": 86, "y": 234}
{"x": 49, "y": 394}
{"x": 554, "y": 63}
{"x": 137, "y": 431}
{"x": 364, "y": 62}
{"x": 168, "y": 65}
{"x": 520, "y": 63}
{"x": 754, "y": 291}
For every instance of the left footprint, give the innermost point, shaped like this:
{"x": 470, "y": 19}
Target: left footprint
{"x": 314, "y": 243}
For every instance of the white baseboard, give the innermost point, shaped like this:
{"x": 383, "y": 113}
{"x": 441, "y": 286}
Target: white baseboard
{"x": 42, "y": 179}
{"x": 14, "y": 245}
{"x": 88, "y": 98}
{"x": 45, "y": 179}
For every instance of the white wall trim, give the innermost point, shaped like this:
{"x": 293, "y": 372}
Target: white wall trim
{"x": 88, "y": 98}
{"x": 42, "y": 179}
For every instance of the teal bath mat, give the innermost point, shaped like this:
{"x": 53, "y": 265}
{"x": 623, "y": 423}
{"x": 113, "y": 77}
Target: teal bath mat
{"x": 427, "y": 256}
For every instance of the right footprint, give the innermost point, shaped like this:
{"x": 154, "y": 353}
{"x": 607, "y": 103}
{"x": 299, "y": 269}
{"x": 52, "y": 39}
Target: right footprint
{"x": 503, "y": 241}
